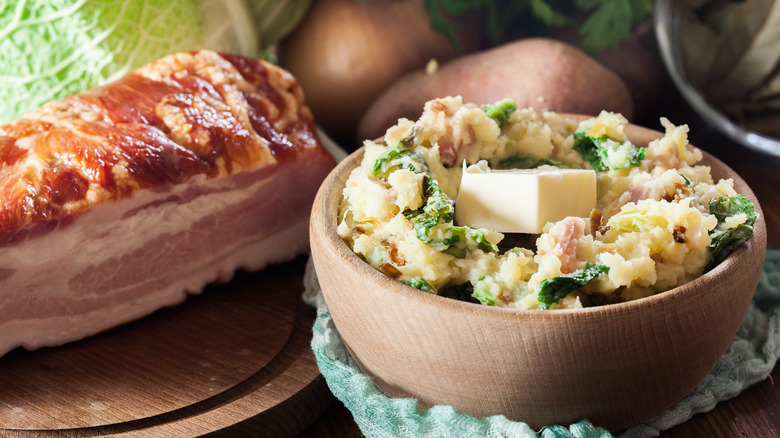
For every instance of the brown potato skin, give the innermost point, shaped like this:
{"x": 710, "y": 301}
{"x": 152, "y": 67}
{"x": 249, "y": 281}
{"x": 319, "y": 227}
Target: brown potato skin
{"x": 345, "y": 52}
{"x": 541, "y": 73}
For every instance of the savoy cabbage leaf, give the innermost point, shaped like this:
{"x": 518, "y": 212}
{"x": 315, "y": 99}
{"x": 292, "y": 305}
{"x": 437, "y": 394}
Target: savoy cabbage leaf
{"x": 50, "y": 49}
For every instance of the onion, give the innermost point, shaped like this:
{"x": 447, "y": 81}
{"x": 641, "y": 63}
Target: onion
{"x": 344, "y": 53}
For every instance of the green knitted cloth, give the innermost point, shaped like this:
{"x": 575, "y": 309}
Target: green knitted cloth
{"x": 749, "y": 359}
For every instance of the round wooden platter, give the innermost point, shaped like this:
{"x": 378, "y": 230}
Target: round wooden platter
{"x": 233, "y": 360}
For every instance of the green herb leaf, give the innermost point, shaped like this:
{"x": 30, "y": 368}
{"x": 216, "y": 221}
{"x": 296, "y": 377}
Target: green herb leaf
{"x": 552, "y": 290}
{"x": 610, "y": 21}
{"x": 548, "y": 14}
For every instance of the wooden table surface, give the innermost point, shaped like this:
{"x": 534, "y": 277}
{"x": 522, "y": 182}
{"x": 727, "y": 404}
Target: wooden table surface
{"x": 234, "y": 360}
{"x": 756, "y": 411}
{"x": 256, "y": 388}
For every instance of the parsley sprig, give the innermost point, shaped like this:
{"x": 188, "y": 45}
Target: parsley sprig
{"x": 606, "y": 22}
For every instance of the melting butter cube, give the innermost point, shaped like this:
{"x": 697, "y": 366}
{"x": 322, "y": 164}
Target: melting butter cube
{"x": 523, "y": 200}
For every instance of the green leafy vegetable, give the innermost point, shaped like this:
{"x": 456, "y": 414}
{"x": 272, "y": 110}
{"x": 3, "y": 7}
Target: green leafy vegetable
{"x": 724, "y": 239}
{"x": 607, "y": 21}
{"x": 528, "y": 162}
{"x": 633, "y": 218}
{"x": 421, "y": 284}
{"x": 433, "y": 223}
{"x": 552, "y": 290}
{"x": 400, "y": 156}
{"x": 439, "y": 209}
{"x": 228, "y": 26}
{"x": 53, "y": 48}
{"x": 275, "y": 19}
{"x": 485, "y": 296}
{"x": 501, "y": 111}
{"x": 604, "y": 153}
{"x": 587, "y": 147}
{"x": 492, "y": 289}
{"x": 610, "y": 21}
{"x": 460, "y": 238}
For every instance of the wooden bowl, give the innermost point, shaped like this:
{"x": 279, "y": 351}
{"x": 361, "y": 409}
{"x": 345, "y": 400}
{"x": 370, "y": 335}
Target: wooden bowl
{"x": 616, "y": 365}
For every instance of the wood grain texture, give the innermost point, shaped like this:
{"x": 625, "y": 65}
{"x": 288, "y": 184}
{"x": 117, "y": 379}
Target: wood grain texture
{"x": 545, "y": 368}
{"x": 235, "y": 359}
{"x": 756, "y": 411}
{"x": 753, "y": 413}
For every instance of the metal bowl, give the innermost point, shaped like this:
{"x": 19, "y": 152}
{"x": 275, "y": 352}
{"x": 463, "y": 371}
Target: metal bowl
{"x": 668, "y": 15}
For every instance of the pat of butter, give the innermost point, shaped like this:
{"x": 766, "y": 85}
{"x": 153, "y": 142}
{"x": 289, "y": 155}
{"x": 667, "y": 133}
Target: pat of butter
{"x": 523, "y": 200}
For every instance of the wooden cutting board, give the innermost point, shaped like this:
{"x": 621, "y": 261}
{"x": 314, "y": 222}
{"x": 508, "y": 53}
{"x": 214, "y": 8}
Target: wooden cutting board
{"x": 234, "y": 360}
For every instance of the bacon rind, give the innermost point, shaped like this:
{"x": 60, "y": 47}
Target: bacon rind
{"x": 124, "y": 199}
{"x": 184, "y": 115}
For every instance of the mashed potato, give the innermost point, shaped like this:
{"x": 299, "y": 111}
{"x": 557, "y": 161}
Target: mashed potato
{"x": 660, "y": 219}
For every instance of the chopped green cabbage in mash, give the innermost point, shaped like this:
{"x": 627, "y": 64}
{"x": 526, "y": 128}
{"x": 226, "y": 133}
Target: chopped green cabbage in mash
{"x": 660, "y": 220}
{"x": 604, "y": 153}
{"x": 736, "y": 217}
{"x": 552, "y": 290}
{"x": 433, "y": 224}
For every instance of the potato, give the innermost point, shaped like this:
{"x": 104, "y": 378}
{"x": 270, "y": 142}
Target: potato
{"x": 541, "y": 73}
{"x": 345, "y": 52}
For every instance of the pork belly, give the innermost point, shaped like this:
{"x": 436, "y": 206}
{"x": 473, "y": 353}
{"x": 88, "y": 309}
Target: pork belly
{"x": 123, "y": 199}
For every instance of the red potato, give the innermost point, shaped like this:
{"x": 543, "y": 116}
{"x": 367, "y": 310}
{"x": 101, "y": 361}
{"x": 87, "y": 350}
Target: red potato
{"x": 541, "y": 73}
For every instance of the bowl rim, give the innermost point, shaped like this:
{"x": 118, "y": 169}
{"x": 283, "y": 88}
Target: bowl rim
{"x": 333, "y": 186}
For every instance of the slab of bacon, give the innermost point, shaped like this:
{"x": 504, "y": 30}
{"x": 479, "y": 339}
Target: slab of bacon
{"x": 121, "y": 200}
